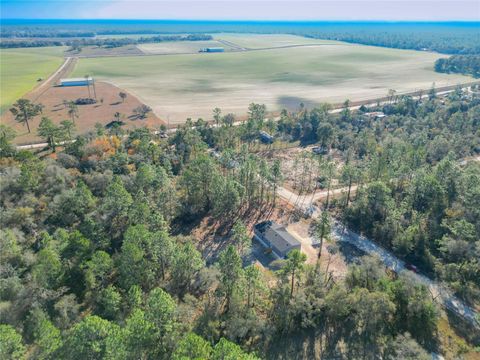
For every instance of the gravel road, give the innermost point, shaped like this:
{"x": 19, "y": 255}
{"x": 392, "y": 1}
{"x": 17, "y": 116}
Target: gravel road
{"x": 440, "y": 293}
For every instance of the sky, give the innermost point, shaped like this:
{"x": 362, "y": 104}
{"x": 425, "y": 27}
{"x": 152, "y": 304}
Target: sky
{"x": 395, "y": 10}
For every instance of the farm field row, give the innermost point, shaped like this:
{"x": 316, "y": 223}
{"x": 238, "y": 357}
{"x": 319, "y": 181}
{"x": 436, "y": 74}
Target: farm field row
{"x": 182, "y": 86}
{"x": 21, "y": 68}
{"x": 260, "y": 41}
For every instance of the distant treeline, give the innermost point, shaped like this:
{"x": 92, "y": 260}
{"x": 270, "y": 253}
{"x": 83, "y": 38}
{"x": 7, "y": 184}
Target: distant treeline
{"x": 460, "y": 64}
{"x": 444, "y": 37}
{"x": 109, "y": 42}
{"x": 454, "y": 43}
{"x": 36, "y": 33}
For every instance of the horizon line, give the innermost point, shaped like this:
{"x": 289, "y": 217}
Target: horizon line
{"x": 252, "y": 20}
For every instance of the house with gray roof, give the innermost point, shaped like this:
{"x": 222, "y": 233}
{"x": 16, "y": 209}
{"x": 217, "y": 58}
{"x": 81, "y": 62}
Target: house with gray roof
{"x": 276, "y": 237}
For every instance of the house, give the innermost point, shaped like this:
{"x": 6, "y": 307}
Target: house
{"x": 76, "y": 81}
{"x": 276, "y": 237}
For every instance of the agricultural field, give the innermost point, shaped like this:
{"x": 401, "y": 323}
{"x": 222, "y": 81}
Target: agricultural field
{"x": 21, "y": 68}
{"x": 182, "y": 86}
{"x": 94, "y": 51}
{"x": 179, "y": 47}
{"x": 261, "y": 41}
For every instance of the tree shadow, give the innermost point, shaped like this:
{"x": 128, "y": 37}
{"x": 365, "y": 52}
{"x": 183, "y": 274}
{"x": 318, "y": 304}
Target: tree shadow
{"x": 350, "y": 252}
{"x": 302, "y": 345}
{"x": 464, "y": 329}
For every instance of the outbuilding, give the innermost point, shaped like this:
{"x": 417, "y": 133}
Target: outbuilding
{"x": 276, "y": 237}
{"x": 213, "y": 49}
{"x": 76, "y": 81}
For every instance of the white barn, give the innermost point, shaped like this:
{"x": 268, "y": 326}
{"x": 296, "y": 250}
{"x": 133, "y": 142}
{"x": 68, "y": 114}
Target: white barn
{"x": 76, "y": 81}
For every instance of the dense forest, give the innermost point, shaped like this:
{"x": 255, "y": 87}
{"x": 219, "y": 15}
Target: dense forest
{"x": 77, "y": 43}
{"x": 417, "y": 200}
{"x": 443, "y": 37}
{"x": 97, "y": 260}
{"x": 460, "y": 64}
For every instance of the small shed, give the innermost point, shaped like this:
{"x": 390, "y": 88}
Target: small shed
{"x": 76, "y": 81}
{"x": 276, "y": 237}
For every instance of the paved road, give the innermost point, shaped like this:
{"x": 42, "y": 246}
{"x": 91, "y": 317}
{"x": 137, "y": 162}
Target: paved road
{"x": 439, "y": 292}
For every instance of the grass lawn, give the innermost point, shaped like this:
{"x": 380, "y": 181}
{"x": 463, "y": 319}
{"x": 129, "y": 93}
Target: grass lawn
{"x": 181, "y": 86}
{"x": 20, "y": 69}
{"x": 178, "y": 47}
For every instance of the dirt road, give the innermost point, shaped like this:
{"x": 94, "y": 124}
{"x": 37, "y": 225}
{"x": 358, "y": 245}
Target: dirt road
{"x": 45, "y": 85}
{"x": 439, "y": 292}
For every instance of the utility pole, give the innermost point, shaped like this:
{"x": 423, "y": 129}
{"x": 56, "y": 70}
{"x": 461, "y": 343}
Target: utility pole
{"x": 94, "y": 91}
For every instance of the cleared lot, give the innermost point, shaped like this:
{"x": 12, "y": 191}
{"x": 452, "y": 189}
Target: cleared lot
{"x": 181, "y": 86}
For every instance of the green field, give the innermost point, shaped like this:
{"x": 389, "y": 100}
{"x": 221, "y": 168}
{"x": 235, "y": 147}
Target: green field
{"x": 20, "y": 69}
{"x": 181, "y": 86}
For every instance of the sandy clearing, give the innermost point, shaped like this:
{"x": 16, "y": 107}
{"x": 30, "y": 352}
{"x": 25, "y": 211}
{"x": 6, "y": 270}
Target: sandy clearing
{"x": 52, "y": 98}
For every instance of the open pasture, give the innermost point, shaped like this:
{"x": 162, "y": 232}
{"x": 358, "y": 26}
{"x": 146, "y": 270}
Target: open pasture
{"x": 261, "y": 41}
{"x": 181, "y": 86}
{"x": 21, "y": 68}
{"x": 179, "y": 47}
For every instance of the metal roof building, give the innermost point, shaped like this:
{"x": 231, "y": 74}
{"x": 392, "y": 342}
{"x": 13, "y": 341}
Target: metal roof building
{"x": 276, "y": 237}
{"x": 76, "y": 81}
{"x": 212, "y": 49}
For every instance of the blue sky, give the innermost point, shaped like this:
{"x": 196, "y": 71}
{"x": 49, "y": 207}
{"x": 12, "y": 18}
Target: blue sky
{"x": 429, "y": 10}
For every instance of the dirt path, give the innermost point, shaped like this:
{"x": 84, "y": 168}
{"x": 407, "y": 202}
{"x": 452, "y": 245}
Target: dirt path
{"x": 439, "y": 292}
{"x": 63, "y": 71}
{"x": 232, "y": 45}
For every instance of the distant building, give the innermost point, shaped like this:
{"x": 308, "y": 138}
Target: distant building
{"x": 276, "y": 237}
{"x": 212, "y": 49}
{"x": 76, "y": 81}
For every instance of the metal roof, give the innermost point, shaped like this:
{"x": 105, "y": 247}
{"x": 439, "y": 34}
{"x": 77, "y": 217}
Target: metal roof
{"x": 76, "y": 79}
{"x": 278, "y": 237}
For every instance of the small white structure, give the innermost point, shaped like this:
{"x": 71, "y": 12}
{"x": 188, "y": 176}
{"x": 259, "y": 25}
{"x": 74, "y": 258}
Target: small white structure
{"x": 76, "y": 81}
{"x": 376, "y": 115}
